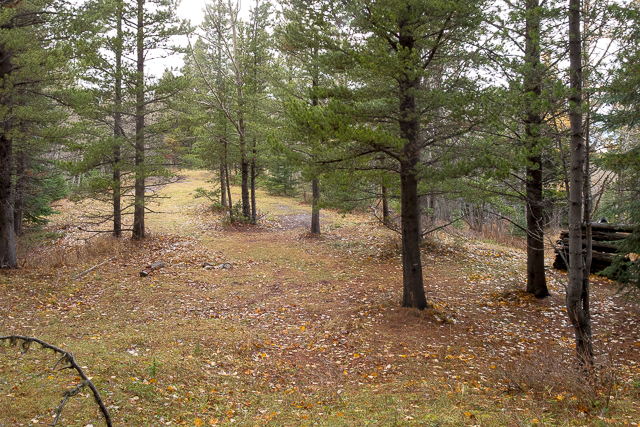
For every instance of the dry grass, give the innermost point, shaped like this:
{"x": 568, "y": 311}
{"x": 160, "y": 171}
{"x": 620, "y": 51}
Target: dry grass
{"x": 57, "y": 254}
{"x": 547, "y": 374}
{"x": 301, "y": 331}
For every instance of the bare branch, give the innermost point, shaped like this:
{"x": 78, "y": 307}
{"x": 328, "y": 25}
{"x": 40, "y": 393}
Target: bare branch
{"x": 66, "y": 358}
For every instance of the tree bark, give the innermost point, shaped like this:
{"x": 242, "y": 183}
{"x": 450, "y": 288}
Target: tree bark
{"x": 19, "y": 193}
{"x": 536, "y": 280}
{"x": 244, "y": 164}
{"x": 413, "y": 288}
{"x": 223, "y": 185}
{"x": 244, "y": 170}
{"x": 577, "y": 293}
{"x": 254, "y": 214}
{"x": 139, "y": 208}
{"x": 413, "y": 294}
{"x": 315, "y": 206}
{"x": 226, "y": 175}
{"x": 118, "y": 131}
{"x": 8, "y": 257}
{"x": 385, "y": 205}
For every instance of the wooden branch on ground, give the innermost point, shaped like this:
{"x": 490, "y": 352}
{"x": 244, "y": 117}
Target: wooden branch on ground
{"x": 65, "y": 357}
{"x": 92, "y": 268}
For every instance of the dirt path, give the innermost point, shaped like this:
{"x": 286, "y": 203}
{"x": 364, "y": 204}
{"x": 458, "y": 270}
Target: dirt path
{"x": 301, "y": 331}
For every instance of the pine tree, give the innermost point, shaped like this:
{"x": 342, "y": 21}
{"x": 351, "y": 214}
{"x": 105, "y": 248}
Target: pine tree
{"x": 404, "y": 85}
{"x": 623, "y": 97}
{"x": 578, "y": 302}
{"x": 119, "y": 95}
{"x": 35, "y": 43}
{"x": 229, "y": 60}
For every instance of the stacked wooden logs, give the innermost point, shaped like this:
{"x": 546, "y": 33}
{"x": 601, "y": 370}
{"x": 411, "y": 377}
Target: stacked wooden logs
{"x": 604, "y": 238}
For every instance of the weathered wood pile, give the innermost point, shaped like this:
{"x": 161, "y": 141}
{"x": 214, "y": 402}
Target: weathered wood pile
{"x": 604, "y": 238}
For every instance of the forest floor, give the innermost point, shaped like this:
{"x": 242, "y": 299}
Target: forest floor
{"x": 301, "y": 330}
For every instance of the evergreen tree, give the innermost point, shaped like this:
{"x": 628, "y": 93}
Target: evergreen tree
{"x": 230, "y": 61}
{"x": 578, "y": 307}
{"x": 301, "y": 41}
{"x": 119, "y": 95}
{"x": 36, "y": 37}
{"x": 406, "y": 86}
{"x": 623, "y": 158}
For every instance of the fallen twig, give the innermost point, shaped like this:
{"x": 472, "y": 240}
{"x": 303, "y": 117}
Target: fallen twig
{"x": 92, "y": 268}
{"x": 66, "y": 357}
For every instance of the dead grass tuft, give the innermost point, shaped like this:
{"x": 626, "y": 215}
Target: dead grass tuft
{"x": 57, "y": 254}
{"x": 496, "y": 234}
{"x": 547, "y": 374}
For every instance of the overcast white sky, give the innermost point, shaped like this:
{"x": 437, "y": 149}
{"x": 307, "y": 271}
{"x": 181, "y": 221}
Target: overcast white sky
{"x": 192, "y": 10}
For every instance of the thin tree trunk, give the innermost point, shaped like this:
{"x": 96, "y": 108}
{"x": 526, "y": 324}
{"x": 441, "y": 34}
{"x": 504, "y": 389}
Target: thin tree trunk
{"x": 244, "y": 170}
{"x": 586, "y": 191}
{"x": 254, "y": 214}
{"x": 315, "y": 206}
{"x": 432, "y": 208}
{"x": 244, "y": 164}
{"x": 315, "y": 183}
{"x": 536, "y": 280}
{"x": 223, "y": 184}
{"x": 139, "y": 209}
{"x": 586, "y": 194}
{"x": 385, "y": 205}
{"x": 118, "y": 130}
{"x": 577, "y": 293}
{"x": 226, "y": 174}
{"x": 19, "y": 193}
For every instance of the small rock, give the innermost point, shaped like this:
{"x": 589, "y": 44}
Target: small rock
{"x": 158, "y": 265}
{"x": 209, "y": 266}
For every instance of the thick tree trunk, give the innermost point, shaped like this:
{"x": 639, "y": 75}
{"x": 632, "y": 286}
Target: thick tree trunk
{"x": 577, "y": 293}
{"x": 413, "y": 287}
{"x": 19, "y": 193}
{"x": 315, "y": 206}
{"x": 536, "y": 280}
{"x": 118, "y": 131}
{"x": 139, "y": 208}
{"x": 8, "y": 257}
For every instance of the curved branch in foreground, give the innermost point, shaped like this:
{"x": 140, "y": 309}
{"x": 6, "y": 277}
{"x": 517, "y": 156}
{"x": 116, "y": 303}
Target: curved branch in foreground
{"x": 65, "y": 357}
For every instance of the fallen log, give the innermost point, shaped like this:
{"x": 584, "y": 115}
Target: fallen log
{"x": 153, "y": 267}
{"x": 597, "y": 246}
{"x": 599, "y": 261}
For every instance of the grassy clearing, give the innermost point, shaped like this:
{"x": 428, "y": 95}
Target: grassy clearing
{"x": 301, "y": 331}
